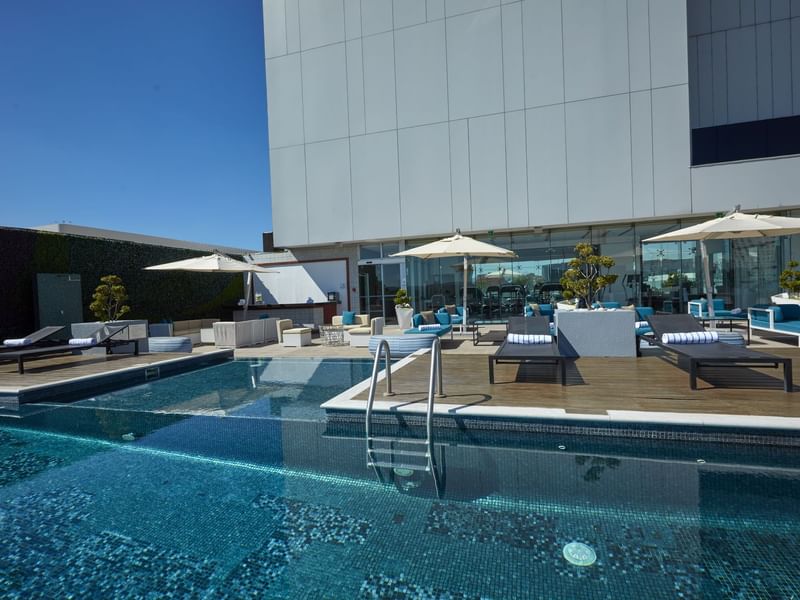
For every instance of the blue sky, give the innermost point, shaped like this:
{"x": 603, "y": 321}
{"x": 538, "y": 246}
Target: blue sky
{"x": 140, "y": 115}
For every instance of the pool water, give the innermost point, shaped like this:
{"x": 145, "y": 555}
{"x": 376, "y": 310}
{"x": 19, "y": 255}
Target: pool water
{"x": 118, "y": 497}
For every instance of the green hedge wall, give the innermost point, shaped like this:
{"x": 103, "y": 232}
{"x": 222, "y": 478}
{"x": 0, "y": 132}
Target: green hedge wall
{"x": 154, "y": 295}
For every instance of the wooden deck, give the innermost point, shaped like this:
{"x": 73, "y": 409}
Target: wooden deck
{"x": 653, "y": 383}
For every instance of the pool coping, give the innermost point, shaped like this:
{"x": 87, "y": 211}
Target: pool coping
{"x": 114, "y": 379}
{"x": 344, "y": 404}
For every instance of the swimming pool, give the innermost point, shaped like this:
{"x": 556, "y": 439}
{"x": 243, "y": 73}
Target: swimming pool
{"x": 126, "y": 496}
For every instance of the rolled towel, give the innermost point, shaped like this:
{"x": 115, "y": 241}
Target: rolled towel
{"x": 640, "y": 324}
{"x": 690, "y": 337}
{"x": 428, "y": 327}
{"x": 529, "y": 338}
{"x": 736, "y": 311}
{"x": 18, "y": 342}
{"x": 81, "y": 341}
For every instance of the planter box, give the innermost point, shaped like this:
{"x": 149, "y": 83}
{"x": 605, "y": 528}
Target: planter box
{"x": 137, "y": 330}
{"x": 596, "y": 332}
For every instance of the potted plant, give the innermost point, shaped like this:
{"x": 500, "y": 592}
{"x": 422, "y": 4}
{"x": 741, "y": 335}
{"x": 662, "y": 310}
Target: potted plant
{"x": 790, "y": 281}
{"x": 587, "y": 275}
{"x": 403, "y": 309}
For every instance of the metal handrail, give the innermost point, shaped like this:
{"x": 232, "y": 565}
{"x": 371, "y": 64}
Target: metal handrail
{"x": 382, "y": 345}
{"x": 436, "y": 373}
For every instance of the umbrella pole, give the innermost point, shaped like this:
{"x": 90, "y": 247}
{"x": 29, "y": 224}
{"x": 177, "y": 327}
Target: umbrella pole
{"x": 707, "y": 279}
{"x": 464, "y": 294}
{"x": 247, "y": 294}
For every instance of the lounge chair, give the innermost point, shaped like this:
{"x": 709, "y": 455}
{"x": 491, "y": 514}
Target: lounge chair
{"x": 34, "y": 339}
{"x": 510, "y": 352}
{"x": 714, "y": 354}
{"x": 102, "y": 337}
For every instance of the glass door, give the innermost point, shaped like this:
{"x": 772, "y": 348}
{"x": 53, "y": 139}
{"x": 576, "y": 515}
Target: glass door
{"x": 378, "y": 282}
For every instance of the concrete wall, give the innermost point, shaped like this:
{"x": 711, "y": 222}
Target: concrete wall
{"x": 744, "y": 60}
{"x": 405, "y": 118}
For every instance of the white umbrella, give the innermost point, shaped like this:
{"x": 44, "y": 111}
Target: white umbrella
{"x": 734, "y": 225}
{"x": 458, "y": 245}
{"x": 215, "y": 263}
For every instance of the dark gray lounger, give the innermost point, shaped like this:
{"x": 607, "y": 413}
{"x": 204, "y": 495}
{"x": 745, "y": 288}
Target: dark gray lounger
{"x": 717, "y": 354}
{"x": 103, "y": 337}
{"x": 35, "y": 338}
{"x": 529, "y": 353}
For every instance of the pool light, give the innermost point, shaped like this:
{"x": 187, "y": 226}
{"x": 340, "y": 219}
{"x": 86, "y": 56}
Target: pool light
{"x": 579, "y": 554}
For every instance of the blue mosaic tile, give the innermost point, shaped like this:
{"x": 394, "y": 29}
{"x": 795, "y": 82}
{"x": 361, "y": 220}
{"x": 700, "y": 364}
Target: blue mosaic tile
{"x": 399, "y": 588}
{"x": 22, "y": 465}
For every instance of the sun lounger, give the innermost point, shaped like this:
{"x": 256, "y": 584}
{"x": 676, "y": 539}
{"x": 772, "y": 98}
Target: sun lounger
{"x": 510, "y": 352}
{"x": 34, "y": 339}
{"x": 714, "y": 354}
{"x": 102, "y": 337}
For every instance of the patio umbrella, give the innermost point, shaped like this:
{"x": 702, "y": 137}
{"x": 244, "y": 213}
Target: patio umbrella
{"x": 215, "y": 263}
{"x": 734, "y": 225}
{"x": 458, "y": 245}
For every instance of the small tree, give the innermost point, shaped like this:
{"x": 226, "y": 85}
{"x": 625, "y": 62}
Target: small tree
{"x": 588, "y": 273}
{"x": 402, "y": 299}
{"x": 108, "y": 299}
{"x": 790, "y": 278}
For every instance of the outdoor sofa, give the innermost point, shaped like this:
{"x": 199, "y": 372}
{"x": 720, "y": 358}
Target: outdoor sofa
{"x": 714, "y": 354}
{"x": 358, "y": 337}
{"x": 102, "y": 337}
{"x": 428, "y": 322}
{"x": 783, "y": 319}
{"x": 511, "y": 352}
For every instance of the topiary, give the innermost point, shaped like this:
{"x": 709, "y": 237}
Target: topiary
{"x": 790, "y": 278}
{"x": 108, "y": 299}
{"x": 586, "y": 277}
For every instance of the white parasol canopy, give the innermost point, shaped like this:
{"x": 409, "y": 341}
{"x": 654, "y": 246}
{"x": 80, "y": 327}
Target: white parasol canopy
{"x": 215, "y": 263}
{"x": 734, "y": 225}
{"x": 458, "y": 245}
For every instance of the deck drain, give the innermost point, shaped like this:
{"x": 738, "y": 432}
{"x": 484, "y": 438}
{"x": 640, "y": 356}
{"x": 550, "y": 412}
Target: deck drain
{"x": 578, "y": 553}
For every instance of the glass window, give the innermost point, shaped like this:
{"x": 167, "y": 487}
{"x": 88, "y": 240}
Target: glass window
{"x": 369, "y": 251}
{"x": 390, "y": 248}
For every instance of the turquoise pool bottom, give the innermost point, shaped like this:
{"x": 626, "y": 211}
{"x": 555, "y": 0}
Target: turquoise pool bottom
{"x": 295, "y": 514}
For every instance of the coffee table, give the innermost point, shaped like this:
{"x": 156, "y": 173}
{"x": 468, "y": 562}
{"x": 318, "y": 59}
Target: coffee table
{"x": 476, "y": 331}
{"x": 332, "y": 335}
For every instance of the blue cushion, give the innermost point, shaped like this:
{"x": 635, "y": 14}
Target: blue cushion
{"x": 440, "y": 331}
{"x": 416, "y": 320}
{"x": 460, "y": 310}
{"x": 349, "y": 317}
{"x": 791, "y": 312}
{"x": 761, "y": 316}
{"x": 643, "y": 312}
{"x": 443, "y": 318}
{"x": 793, "y": 326}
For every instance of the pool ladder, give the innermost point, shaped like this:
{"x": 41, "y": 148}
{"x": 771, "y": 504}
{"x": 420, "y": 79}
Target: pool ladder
{"x": 382, "y": 451}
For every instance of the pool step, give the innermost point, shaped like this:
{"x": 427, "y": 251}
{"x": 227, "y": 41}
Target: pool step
{"x": 398, "y": 439}
{"x": 391, "y": 465}
{"x": 393, "y": 451}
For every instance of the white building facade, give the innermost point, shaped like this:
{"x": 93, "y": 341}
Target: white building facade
{"x": 535, "y": 124}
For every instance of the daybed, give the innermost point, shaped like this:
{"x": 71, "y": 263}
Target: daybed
{"x": 783, "y": 319}
{"x": 32, "y": 339}
{"x": 512, "y": 351}
{"x": 350, "y": 320}
{"x": 102, "y": 337}
{"x": 714, "y": 354}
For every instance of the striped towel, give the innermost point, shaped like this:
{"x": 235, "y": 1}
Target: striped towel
{"x": 529, "y": 338}
{"x": 640, "y": 324}
{"x": 690, "y": 337}
{"x": 17, "y": 342}
{"x": 81, "y": 341}
{"x": 428, "y": 327}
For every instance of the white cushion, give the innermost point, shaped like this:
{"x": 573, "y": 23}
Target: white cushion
{"x": 690, "y": 337}
{"x": 529, "y": 338}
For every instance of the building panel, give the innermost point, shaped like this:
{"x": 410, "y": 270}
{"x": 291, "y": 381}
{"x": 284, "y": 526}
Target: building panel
{"x": 671, "y": 154}
{"x": 421, "y": 75}
{"x": 516, "y": 169}
{"x": 475, "y": 64}
{"x": 379, "y": 91}
{"x": 274, "y": 28}
{"x": 547, "y": 165}
{"x": 487, "y": 170}
{"x": 284, "y": 88}
{"x": 642, "y": 155}
{"x": 288, "y": 184}
{"x": 330, "y": 212}
{"x": 321, "y": 23}
{"x": 324, "y": 93}
{"x": 376, "y": 194}
{"x": 543, "y": 52}
{"x": 513, "y": 71}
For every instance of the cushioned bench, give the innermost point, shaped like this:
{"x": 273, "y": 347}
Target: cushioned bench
{"x": 169, "y": 344}
{"x": 402, "y": 345}
{"x": 359, "y": 336}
